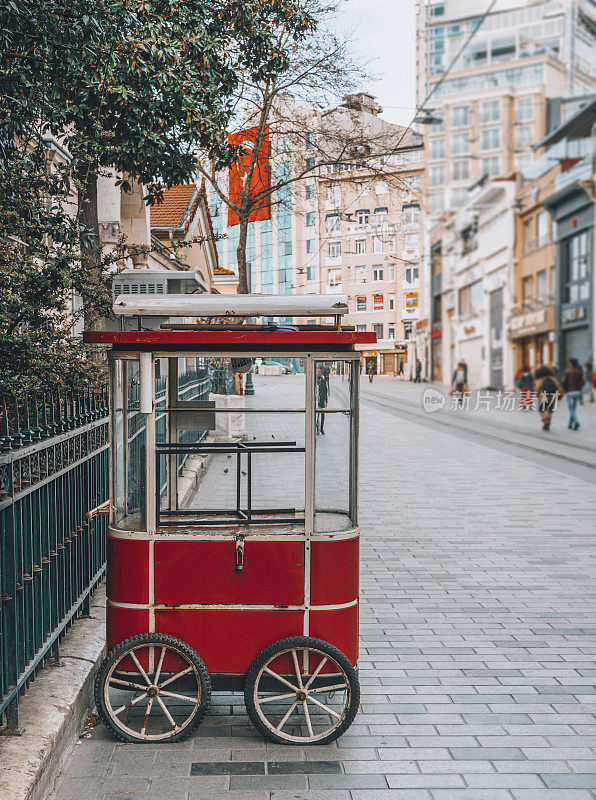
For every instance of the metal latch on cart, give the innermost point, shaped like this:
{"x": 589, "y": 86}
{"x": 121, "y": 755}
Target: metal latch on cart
{"x": 239, "y": 553}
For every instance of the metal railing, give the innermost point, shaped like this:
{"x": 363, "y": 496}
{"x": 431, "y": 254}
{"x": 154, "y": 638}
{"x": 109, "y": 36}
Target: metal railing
{"x": 53, "y": 473}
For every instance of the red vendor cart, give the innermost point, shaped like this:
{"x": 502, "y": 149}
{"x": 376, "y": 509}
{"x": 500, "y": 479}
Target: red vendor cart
{"x": 233, "y": 537}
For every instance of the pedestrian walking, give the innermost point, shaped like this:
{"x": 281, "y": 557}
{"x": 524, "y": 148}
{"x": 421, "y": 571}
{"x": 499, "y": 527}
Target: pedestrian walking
{"x": 401, "y": 367}
{"x": 573, "y": 381}
{"x": 459, "y": 381}
{"x": 418, "y": 370}
{"x": 548, "y": 391}
{"x": 322, "y": 400}
{"x": 371, "y": 366}
{"x": 525, "y": 384}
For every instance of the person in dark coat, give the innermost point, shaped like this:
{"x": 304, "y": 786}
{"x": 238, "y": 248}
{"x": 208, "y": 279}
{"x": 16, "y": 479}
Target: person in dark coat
{"x": 459, "y": 381}
{"x": 418, "y": 370}
{"x": 525, "y": 383}
{"x": 401, "y": 367}
{"x": 573, "y": 382}
{"x": 548, "y": 391}
{"x": 322, "y": 400}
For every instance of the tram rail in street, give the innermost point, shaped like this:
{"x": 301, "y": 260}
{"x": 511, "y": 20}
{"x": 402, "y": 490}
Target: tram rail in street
{"x": 408, "y": 409}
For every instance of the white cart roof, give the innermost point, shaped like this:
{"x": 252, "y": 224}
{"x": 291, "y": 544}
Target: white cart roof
{"x": 240, "y": 305}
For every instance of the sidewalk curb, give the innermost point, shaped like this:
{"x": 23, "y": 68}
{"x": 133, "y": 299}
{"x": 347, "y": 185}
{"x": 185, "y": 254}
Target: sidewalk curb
{"x": 52, "y": 712}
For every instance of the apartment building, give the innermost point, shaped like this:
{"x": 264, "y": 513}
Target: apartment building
{"x": 351, "y": 225}
{"x": 504, "y": 68}
{"x": 531, "y": 321}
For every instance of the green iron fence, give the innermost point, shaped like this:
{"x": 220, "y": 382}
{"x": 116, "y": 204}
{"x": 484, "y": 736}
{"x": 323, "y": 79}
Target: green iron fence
{"x": 53, "y": 471}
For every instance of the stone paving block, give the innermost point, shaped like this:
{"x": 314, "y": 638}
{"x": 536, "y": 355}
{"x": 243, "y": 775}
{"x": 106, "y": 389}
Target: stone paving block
{"x": 536, "y": 766}
{"x": 573, "y": 780}
{"x": 471, "y": 794}
{"x": 80, "y": 788}
{"x": 250, "y": 782}
{"x": 551, "y": 794}
{"x": 487, "y": 753}
{"x": 503, "y": 781}
{"x": 308, "y": 794}
{"x": 390, "y": 794}
{"x": 459, "y": 766}
{"x": 429, "y": 781}
{"x": 352, "y": 781}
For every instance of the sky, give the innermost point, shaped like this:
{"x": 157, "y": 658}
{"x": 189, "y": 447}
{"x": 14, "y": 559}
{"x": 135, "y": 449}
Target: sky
{"x": 384, "y": 30}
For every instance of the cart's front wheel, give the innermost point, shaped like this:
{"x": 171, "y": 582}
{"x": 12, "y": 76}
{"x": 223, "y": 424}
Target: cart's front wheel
{"x": 302, "y": 691}
{"x": 152, "y": 688}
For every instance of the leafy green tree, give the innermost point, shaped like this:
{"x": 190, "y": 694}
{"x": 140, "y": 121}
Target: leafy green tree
{"x": 136, "y": 85}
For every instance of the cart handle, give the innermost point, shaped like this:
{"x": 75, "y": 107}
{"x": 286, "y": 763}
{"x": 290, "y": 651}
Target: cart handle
{"x": 99, "y": 511}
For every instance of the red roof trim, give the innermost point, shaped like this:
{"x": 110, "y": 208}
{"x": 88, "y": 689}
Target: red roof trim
{"x": 260, "y": 338}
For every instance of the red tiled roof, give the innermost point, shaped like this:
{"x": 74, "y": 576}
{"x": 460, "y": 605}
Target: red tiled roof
{"x": 176, "y": 202}
{"x": 223, "y": 271}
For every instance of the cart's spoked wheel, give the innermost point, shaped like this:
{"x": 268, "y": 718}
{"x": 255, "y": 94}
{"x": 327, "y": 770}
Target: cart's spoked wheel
{"x": 302, "y": 691}
{"x": 152, "y": 688}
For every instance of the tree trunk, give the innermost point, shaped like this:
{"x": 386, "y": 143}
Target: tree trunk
{"x": 243, "y": 276}
{"x": 90, "y": 245}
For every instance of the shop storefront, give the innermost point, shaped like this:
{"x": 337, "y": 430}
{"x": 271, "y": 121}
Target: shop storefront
{"x": 532, "y": 335}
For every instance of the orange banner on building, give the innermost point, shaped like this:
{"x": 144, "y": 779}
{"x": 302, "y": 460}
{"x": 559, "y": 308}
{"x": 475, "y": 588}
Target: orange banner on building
{"x": 260, "y": 177}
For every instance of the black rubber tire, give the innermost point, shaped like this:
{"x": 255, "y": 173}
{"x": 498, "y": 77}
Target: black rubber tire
{"x": 302, "y": 642}
{"x": 156, "y": 639}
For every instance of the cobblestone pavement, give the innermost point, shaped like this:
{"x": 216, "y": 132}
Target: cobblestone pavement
{"x": 477, "y": 648}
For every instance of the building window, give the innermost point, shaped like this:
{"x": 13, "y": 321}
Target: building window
{"x": 461, "y": 170}
{"x": 490, "y": 139}
{"x": 361, "y": 303}
{"x": 543, "y": 229}
{"x": 524, "y": 109}
{"x": 470, "y": 298}
{"x": 437, "y": 9}
{"x": 334, "y": 278}
{"x": 490, "y": 166}
{"x": 362, "y": 216}
{"x": 377, "y": 273}
{"x": 411, "y": 215}
{"x": 460, "y": 144}
{"x": 360, "y": 247}
{"x": 411, "y": 274}
{"x": 412, "y": 184}
{"x": 528, "y": 288}
{"x": 391, "y": 273}
{"x": 363, "y": 187}
{"x": 391, "y": 301}
{"x": 377, "y": 302}
{"x": 437, "y": 148}
{"x": 310, "y": 163}
{"x": 377, "y": 244}
{"x": 523, "y": 137}
{"x": 458, "y": 197}
{"x": 491, "y": 111}
{"x": 407, "y": 330}
{"x": 378, "y": 329}
{"x": 437, "y": 202}
{"x": 334, "y": 197}
{"x": 541, "y": 285}
{"x": 334, "y": 249}
{"x": 381, "y": 213}
{"x": 310, "y": 273}
{"x": 437, "y": 176}
{"x": 310, "y": 191}
{"x": 576, "y": 268}
{"x": 502, "y": 49}
{"x": 310, "y": 245}
{"x": 360, "y": 274}
{"x": 360, "y": 327}
{"x": 391, "y": 332}
{"x": 411, "y": 241}
{"x": 381, "y": 187}
{"x": 310, "y": 219}
{"x": 310, "y": 140}
{"x": 333, "y": 223}
{"x": 460, "y": 117}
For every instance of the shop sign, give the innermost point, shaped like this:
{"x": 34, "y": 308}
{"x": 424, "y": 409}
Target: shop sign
{"x": 361, "y": 304}
{"x": 573, "y": 314}
{"x": 421, "y": 324}
{"x": 411, "y": 299}
{"x": 469, "y": 329}
{"x": 532, "y": 322}
{"x": 436, "y": 333}
{"x": 377, "y": 302}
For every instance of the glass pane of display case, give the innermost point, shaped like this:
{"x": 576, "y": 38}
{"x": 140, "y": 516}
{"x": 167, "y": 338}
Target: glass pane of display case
{"x": 335, "y": 444}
